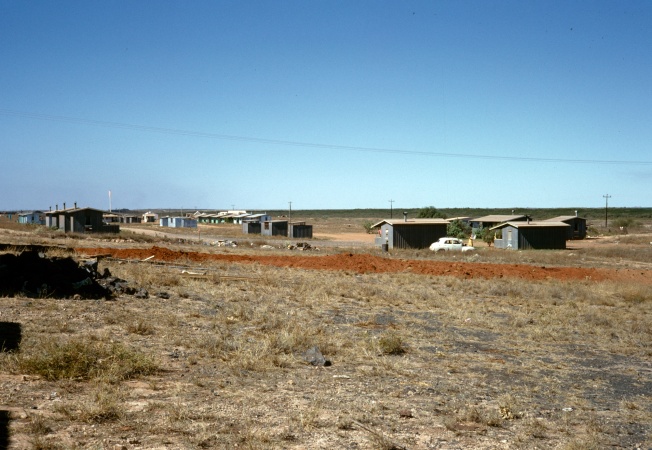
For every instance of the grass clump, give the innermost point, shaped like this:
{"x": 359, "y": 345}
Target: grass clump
{"x": 79, "y": 359}
{"x": 391, "y": 344}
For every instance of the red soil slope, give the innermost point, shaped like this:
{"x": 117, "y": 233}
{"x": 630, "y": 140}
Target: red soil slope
{"x": 365, "y": 263}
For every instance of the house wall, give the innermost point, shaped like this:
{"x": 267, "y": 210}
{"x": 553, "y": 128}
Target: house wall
{"x": 410, "y": 235}
{"x": 85, "y": 220}
{"x": 509, "y": 239}
{"x": 37, "y": 218}
{"x": 577, "y": 229}
{"x": 539, "y": 238}
{"x": 251, "y": 228}
{"x": 271, "y": 228}
{"x": 543, "y": 238}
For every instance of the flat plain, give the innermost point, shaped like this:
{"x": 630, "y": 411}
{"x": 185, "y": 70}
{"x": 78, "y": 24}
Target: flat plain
{"x": 265, "y": 346}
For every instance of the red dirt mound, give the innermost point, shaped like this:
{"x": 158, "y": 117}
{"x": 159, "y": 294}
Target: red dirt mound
{"x": 365, "y": 263}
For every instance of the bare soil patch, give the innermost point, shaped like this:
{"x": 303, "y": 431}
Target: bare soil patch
{"x": 367, "y": 263}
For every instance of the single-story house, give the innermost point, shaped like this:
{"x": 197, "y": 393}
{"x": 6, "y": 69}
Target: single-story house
{"x": 182, "y": 222}
{"x": 79, "y": 220}
{"x": 577, "y": 226}
{"x": 239, "y": 218}
{"x": 150, "y": 217}
{"x": 129, "y": 218}
{"x": 111, "y": 218}
{"x": 37, "y": 217}
{"x": 531, "y": 235}
{"x": 410, "y": 233}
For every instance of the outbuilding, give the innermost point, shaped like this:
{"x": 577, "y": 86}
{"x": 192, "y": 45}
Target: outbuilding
{"x": 531, "y": 235}
{"x": 409, "y": 233}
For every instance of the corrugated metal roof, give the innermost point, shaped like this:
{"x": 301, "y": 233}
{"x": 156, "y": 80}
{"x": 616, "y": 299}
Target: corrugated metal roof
{"x": 562, "y": 218}
{"x": 70, "y": 210}
{"x": 498, "y": 218}
{"x": 393, "y": 222}
{"x": 532, "y": 224}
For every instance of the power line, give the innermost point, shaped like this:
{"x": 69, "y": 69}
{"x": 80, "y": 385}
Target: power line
{"x": 201, "y": 134}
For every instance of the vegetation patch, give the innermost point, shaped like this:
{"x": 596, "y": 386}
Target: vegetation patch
{"x": 83, "y": 359}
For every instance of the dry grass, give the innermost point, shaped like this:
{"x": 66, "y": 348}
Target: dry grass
{"x": 417, "y": 362}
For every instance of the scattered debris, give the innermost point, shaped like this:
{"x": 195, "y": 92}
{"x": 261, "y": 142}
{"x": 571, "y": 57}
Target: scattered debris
{"x": 224, "y": 243}
{"x": 301, "y": 246}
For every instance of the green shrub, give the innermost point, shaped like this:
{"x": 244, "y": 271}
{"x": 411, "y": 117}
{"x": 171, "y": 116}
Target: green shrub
{"x": 458, "y": 229}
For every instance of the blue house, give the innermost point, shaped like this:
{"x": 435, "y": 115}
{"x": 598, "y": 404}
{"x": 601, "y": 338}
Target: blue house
{"x": 37, "y": 217}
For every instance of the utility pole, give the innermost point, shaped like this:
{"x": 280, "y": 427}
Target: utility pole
{"x": 391, "y": 209}
{"x": 606, "y": 208}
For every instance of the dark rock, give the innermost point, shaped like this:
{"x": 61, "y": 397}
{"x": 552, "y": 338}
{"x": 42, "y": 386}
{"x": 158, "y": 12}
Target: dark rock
{"x": 141, "y": 293}
{"x": 315, "y": 357}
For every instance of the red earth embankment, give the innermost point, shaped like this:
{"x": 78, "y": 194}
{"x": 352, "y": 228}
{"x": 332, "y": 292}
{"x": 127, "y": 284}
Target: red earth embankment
{"x": 365, "y": 263}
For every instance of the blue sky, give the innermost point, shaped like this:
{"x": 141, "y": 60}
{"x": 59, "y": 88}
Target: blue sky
{"x": 327, "y": 104}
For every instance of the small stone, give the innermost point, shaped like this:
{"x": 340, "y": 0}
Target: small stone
{"x": 314, "y": 357}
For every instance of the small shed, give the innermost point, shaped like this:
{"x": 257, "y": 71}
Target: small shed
{"x": 274, "y": 228}
{"x": 576, "y": 226}
{"x": 164, "y": 221}
{"x": 531, "y": 235}
{"x": 300, "y": 230}
{"x": 410, "y": 233}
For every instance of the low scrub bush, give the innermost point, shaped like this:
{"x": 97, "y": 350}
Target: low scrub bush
{"x": 79, "y": 359}
{"x": 391, "y": 344}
